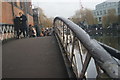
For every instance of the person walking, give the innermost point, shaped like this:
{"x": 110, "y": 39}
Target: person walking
{"x": 23, "y": 22}
{"x": 17, "y": 26}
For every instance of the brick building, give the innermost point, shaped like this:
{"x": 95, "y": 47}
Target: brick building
{"x": 10, "y": 9}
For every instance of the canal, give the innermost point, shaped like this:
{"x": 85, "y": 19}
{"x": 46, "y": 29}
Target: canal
{"x": 113, "y": 41}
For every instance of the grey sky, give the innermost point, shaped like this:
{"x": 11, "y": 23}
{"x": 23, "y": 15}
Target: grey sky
{"x": 64, "y": 8}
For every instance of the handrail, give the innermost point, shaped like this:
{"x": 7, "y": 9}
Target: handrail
{"x": 115, "y": 53}
{"x": 103, "y": 60}
{"x": 6, "y": 31}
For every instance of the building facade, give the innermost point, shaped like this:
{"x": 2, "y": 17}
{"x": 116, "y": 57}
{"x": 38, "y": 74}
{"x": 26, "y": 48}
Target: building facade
{"x": 102, "y": 9}
{"x": 11, "y": 9}
{"x": 119, "y": 8}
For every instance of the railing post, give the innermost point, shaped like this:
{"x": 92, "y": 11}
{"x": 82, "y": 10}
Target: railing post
{"x": 3, "y": 32}
{"x": 63, "y": 33}
{"x": 85, "y": 65}
{"x": 66, "y": 40}
{"x": 97, "y": 68}
{"x": 80, "y": 50}
{"x": 74, "y": 63}
{"x": 73, "y": 45}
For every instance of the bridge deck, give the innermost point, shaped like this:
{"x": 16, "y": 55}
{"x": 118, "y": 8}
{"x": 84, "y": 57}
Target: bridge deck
{"x": 33, "y": 58}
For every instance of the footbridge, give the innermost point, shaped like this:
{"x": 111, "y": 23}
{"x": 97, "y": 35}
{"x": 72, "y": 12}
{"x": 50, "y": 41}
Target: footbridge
{"x": 70, "y": 53}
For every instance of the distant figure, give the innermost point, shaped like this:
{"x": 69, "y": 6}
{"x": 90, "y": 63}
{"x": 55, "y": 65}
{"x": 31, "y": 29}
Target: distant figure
{"x": 32, "y": 31}
{"x": 42, "y": 32}
{"x": 17, "y": 25}
{"x": 23, "y": 24}
{"x": 46, "y": 31}
{"x": 37, "y": 30}
{"x": 51, "y": 31}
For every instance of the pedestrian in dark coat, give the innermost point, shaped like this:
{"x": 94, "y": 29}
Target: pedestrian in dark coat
{"x": 37, "y": 30}
{"x": 23, "y": 21}
{"x": 17, "y": 25}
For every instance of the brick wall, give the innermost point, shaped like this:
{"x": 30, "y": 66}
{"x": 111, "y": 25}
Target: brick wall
{"x": 7, "y": 14}
{"x": 17, "y": 10}
{"x": 30, "y": 19}
{"x": 0, "y": 11}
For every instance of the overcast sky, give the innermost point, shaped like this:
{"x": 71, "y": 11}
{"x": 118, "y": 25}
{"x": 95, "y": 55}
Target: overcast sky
{"x": 64, "y": 8}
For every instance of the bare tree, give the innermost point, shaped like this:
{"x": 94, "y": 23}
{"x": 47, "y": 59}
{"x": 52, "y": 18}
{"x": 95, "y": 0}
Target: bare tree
{"x": 84, "y": 15}
{"x": 43, "y": 19}
{"x": 110, "y": 18}
{"x": 89, "y": 17}
{"x": 105, "y": 22}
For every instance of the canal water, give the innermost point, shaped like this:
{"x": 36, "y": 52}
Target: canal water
{"x": 113, "y": 41}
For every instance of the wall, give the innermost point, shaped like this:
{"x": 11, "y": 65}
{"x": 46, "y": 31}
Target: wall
{"x": 7, "y": 16}
{"x": 0, "y": 11}
{"x": 30, "y": 19}
{"x": 17, "y": 10}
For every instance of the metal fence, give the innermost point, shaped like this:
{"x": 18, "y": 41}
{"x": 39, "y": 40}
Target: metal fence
{"x": 81, "y": 50}
{"x": 6, "y": 31}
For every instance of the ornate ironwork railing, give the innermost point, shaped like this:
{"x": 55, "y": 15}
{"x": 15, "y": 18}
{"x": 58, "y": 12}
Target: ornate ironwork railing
{"x": 6, "y": 31}
{"x": 81, "y": 51}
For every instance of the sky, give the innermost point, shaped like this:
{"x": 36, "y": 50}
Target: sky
{"x": 64, "y": 8}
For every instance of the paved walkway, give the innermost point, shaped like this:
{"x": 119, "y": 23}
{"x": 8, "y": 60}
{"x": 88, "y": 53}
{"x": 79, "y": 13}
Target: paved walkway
{"x": 33, "y": 58}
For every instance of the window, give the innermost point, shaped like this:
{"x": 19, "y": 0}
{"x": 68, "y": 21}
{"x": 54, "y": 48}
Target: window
{"x": 106, "y": 4}
{"x": 100, "y": 19}
{"x": 21, "y": 5}
{"x": 109, "y": 4}
{"x": 94, "y": 13}
{"x": 15, "y": 3}
{"x": 100, "y": 12}
{"x": 97, "y": 13}
{"x": 103, "y": 6}
{"x": 104, "y": 11}
{"x": 119, "y": 10}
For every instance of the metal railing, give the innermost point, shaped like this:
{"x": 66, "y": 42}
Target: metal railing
{"x": 81, "y": 50}
{"x": 6, "y": 31}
